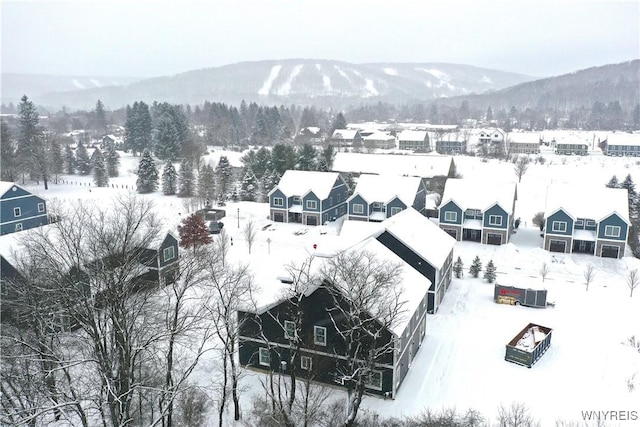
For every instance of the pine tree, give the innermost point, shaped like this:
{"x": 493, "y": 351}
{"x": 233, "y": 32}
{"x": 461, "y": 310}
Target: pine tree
{"x": 613, "y": 182}
{"x": 194, "y": 232}
{"x": 69, "y": 160}
{"x": 169, "y": 179}
{"x": 457, "y": 268}
{"x": 170, "y": 130}
{"x": 57, "y": 158}
{"x": 100, "y": 119}
{"x": 340, "y": 122}
{"x": 137, "y": 127}
{"x": 327, "y": 155}
{"x": 249, "y": 187}
{"x": 351, "y": 184}
{"x": 187, "y": 180}
{"x": 113, "y": 161}
{"x": 8, "y": 159}
{"x": 490, "y": 272}
{"x": 628, "y": 184}
{"x": 100, "y": 175}
{"x": 270, "y": 181}
{"x": 206, "y": 183}
{"x": 31, "y": 151}
{"x": 83, "y": 162}
{"x": 147, "y": 181}
{"x": 306, "y": 157}
{"x": 224, "y": 174}
{"x": 476, "y": 267}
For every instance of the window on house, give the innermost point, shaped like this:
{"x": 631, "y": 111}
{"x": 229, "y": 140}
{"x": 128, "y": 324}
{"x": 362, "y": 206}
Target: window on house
{"x": 40, "y": 207}
{"x": 305, "y": 363}
{"x": 19, "y": 226}
{"x": 374, "y": 380}
{"x": 377, "y": 206}
{"x": 169, "y": 253}
{"x": 319, "y": 335}
{"x": 297, "y": 200}
{"x": 264, "y": 357}
{"x": 312, "y": 204}
{"x": 17, "y": 212}
{"x": 495, "y": 220}
{"x": 278, "y": 201}
{"x": 591, "y": 223}
{"x": 395, "y": 210}
{"x": 579, "y": 223}
{"x": 612, "y": 231}
{"x": 289, "y": 330}
{"x": 559, "y": 226}
{"x": 358, "y": 208}
{"x": 451, "y": 216}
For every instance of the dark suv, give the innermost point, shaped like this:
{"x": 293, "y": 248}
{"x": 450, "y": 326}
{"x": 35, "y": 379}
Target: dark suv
{"x": 215, "y": 227}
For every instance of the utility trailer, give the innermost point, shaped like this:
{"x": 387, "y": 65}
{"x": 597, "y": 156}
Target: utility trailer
{"x": 529, "y": 345}
{"x": 520, "y": 296}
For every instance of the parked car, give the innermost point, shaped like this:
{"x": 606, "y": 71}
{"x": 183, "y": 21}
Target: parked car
{"x": 215, "y": 227}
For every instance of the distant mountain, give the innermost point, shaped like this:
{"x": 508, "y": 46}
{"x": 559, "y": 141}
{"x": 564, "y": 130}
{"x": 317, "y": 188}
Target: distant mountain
{"x": 15, "y": 85}
{"x": 298, "y": 81}
{"x": 614, "y": 82}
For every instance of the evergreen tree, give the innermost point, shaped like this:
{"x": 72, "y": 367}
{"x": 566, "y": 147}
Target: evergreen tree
{"x": 8, "y": 157}
{"x": 635, "y": 117}
{"x": 147, "y": 181}
{"x": 270, "y": 181}
{"x": 249, "y": 187}
{"x": 194, "y": 232}
{"x": 187, "y": 180}
{"x": 206, "y": 183}
{"x": 138, "y": 128}
{"x": 224, "y": 175}
{"x": 457, "y": 268}
{"x": 308, "y": 118}
{"x": 489, "y": 115}
{"x": 262, "y": 162}
{"x": 57, "y": 158}
{"x": 351, "y": 184}
{"x": 113, "y": 161}
{"x": 100, "y": 119}
{"x": 613, "y": 182}
{"x": 100, "y": 175}
{"x": 306, "y": 158}
{"x": 490, "y": 272}
{"x": 31, "y": 151}
{"x": 83, "y": 162}
{"x": 476, "y": 267}
{"x": 340, "y": 122}
{"x": 69, "y": 160}
{"x": 328, "y": 155}
{"x": 283, "y": 158}
{"x": 629, "y": 185}
{"x": 169, "y": 179}
{"x": 170, "y": 131}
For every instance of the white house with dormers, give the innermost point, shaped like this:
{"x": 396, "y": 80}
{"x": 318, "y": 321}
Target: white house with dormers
{"x": 378, "y": 197}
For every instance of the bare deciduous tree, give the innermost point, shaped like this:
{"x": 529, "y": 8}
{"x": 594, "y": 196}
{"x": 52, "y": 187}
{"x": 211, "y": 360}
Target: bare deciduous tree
{"x": 249, "y": 231}
{"x": 521, "y": 166}
{"x": 589, "y": 274}
{"x": 516, "y": 415}
{"x": 544, "y": 271}
{"x": 633, "y": 280}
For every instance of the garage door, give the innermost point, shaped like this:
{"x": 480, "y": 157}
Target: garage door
{"x": 278, "y": 217}
{"x": 609, "y": 251}
{"x": 494, "y": 239}
{"x": 452, "y": 233}
{"x": 557, "y": 246}
{"x": 312, "y": 220}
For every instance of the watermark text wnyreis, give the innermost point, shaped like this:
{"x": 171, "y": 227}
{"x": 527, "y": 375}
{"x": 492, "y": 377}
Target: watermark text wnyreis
{"x": 616, "y": 415}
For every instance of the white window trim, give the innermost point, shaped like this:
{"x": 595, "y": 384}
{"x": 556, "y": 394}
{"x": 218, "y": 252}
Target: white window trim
{"x": 579, "y": 223}
{"x": 263, "y": 353}
{"x": 278, "y": 201}
{"x": 287, "y": 325}
{"x": 448, "y": 216}
{"x": 369, "y": 384}
{"x": 170, "y": 250}
{"x": 19, "y": 226}
{"x": 395, "y": 210}
{"x": 40, "y": 207}
{"x": 315, "y": 335}
{"x": 305, "y": 363}
{"x": 590, "y": 223}
{"x": 609, "y": 231}
{"x": 17, "y": 212}
{"x": 493, "y": 222}
{"x": 311, "y": 204}
{"x": 296, "y": 200}
{"x": 555, "y": 226}
{"x": 358, "y": 208}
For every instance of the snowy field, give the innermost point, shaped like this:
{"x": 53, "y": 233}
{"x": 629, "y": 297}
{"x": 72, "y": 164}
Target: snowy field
{"x": 590, "y": 364}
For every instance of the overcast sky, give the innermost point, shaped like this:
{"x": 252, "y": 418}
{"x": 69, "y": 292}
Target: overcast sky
{"x": 153, "y": 38}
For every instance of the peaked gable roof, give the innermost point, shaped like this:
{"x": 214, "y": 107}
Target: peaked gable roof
{"x": 299, "y": 183}
{"x": 383, "y": 188}
{"x": 379, "y": 136}
{"x": 474, "y": 194}
{"x": 412, "y": 135}
{"x": 422, "y": 165}
{"x": 587, "y": 202}
{"x": 345, "y": 133}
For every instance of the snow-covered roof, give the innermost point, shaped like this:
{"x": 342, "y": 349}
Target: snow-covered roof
{"x": 620, "y": 138}
{"x": 451, "y": 136}
{"x": 313, "y": 129}
{"x": 367, "y": 126}
{"x": 383, "y": 188}
{"x": 6, "y": 186}
{"x": 299, "y": 183}
{"x": 412, "y": 135}
{"x": 425, "y": 166}
{"x": 524, "y": 138}
{"x": 479, "y": 194}
{"x": 379, "y": 136}
{"x": 587, "y": 202}
{"x": 345, "y": 133}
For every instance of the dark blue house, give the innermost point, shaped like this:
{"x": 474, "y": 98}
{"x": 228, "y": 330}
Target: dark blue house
{"x": 478, "y": 211}
{"x": 308, "y": 197}
{"x": 378, "y": 197}
{"x": 597, "y": 225}
{"x": 20, "y": 209}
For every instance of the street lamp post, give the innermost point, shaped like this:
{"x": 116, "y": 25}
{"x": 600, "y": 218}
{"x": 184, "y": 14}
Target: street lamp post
{"x": 238, "y": 217}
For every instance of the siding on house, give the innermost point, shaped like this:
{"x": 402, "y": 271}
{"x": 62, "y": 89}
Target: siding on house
{"x": 20, "y": 209}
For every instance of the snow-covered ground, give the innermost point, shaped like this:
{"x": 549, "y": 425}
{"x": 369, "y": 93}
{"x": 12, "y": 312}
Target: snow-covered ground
{"x": 590, "y": 364}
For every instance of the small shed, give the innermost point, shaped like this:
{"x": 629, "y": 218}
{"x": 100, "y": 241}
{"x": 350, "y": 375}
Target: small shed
{"x": 211, "y": 214}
